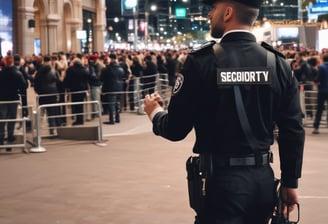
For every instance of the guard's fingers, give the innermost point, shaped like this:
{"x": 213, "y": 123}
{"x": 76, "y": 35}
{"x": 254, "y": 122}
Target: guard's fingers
{"x": 288, "y": 209}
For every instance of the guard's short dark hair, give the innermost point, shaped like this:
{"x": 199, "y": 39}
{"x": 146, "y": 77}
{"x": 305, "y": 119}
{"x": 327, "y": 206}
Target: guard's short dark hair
{"x": 245, "y": 15}
{"x": 249, "y": 3}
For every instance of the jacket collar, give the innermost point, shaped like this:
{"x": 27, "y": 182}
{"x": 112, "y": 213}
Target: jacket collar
{"x": 238, "y": 35}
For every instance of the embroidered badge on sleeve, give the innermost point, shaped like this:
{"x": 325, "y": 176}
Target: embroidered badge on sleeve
{"x": 178, "y": 84}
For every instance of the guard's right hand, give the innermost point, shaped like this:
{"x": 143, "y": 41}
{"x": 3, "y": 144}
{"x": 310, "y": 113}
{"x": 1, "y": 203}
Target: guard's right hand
{"x": 289, "y": 198}
{"x": 153, "y": 102}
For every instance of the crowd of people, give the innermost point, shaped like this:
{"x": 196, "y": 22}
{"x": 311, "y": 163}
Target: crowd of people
{"x": 310, "y": 67}
{"x": 109, "y": 77}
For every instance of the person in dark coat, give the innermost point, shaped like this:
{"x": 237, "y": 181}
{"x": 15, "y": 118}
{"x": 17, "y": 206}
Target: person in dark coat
{"x": 12, "y": 83}
{"x": 322, "y": 81}
{"x": 20, "y": 65}
{"x": 127, "y": 72}
{"x": 95, "y": 65}
{"x": 112, "y": 79}
{"x": 149, "y": 75}
{"x": 136, "y": 72}
{"x": 76, "y": 81}
{"x": 171, "y": 64}
{"x": 45, "y": 85}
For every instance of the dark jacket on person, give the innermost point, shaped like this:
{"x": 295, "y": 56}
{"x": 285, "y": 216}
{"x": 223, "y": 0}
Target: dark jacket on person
{"x": 45, "y": 81}
{"x": 12, "y": 83}
{"x": 136, "y": 68}
{"x": 149, "y": 72}
{"x": 95, "y": 71}
{"x": 171, "y": 64}
{"x": 77, "y": 77}
{"x": 112, "y": 78}
{"x": 151, "y": 67}
{"x": 161, "y": 65}
{"x": 322, "y": 78}
{"x": 126, "y": 70}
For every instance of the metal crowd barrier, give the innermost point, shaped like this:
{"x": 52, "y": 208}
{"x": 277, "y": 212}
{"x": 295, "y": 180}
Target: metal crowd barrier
{"x": 159, "y": 84}
{"x": 163, "y": 88}
{"x": 39, "y": 134}
{"x": 140, "y": 89}
{"x": 309, "y": 107}
{"x": 22, "y": 121}
{"x": 67, "y": 97}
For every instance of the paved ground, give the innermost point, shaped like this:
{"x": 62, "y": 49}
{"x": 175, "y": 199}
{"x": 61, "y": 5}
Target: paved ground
{"x": 136, "y": 178}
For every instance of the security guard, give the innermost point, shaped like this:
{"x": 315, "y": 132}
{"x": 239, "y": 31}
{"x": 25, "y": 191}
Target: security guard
{"x": 222, "y": 87}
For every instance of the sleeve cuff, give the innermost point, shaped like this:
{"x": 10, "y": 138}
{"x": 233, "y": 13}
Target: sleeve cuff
{"x": 290, "y": 183}
{"x": 152, "y": 115}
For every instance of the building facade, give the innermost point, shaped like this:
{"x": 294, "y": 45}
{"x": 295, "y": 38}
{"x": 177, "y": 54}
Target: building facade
{"x": 50, "y": 26}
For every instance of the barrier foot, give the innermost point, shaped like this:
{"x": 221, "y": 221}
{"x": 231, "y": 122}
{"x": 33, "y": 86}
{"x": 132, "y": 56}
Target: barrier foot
{"x": 38, "y": 149}
{"x": 101, "y": 143}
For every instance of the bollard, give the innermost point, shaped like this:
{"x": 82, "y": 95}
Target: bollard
{"x": 36, "y": 134}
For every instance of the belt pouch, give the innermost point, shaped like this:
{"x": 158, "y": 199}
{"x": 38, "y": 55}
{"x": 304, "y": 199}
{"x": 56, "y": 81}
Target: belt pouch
{"x": 194, "y": 178}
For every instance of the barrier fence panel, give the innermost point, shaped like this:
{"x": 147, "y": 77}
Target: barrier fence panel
{"x": 8, "y": 120}
{"x": 150, "y": 84}
{"x": 164, "y": 88}
{"x": 40, "y": 126}
{"x": 132, "y": 97}
{"x": 309, "y": 108}
{"x": 137, "y": 89}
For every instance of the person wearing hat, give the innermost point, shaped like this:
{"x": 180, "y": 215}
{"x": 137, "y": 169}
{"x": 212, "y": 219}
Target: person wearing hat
{"x": 233, "y": 94}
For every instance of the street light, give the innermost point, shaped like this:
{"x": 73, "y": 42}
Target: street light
{"x": 89, "y": 35}
{"x": 132, "y": 4}
{"x": 153, "y": 8}
{"x": 148, "y": 8}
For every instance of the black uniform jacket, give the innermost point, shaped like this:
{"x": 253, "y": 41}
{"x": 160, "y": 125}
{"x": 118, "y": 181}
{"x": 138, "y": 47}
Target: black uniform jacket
{"x": 199, "y": 102}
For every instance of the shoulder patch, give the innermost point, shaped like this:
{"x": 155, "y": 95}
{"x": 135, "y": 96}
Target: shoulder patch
{"x": 270, "y": 48}
{"x": 178, "y": 84}
{"x": 203, "y": 46}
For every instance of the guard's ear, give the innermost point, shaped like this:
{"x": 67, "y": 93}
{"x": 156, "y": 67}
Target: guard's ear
{"x": 228, "y": 13}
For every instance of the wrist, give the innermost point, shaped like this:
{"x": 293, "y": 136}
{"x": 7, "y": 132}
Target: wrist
{"x": 154, "y": 112}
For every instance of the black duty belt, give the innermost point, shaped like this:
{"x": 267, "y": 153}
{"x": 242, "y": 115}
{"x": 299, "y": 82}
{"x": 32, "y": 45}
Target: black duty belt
{"x": 248, "y": 160}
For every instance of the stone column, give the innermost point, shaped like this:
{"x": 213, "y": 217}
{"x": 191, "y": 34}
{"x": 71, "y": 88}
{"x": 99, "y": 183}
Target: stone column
{"x": 76, "y": 24}
{"x": 44, "y": 36}
{"x": 75, "y": 43}
{"x": 99, "y": 27}
{"x": 25, "y": 35}
{"x": 53, "y": 22}
{"x": 98, "y": 40}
